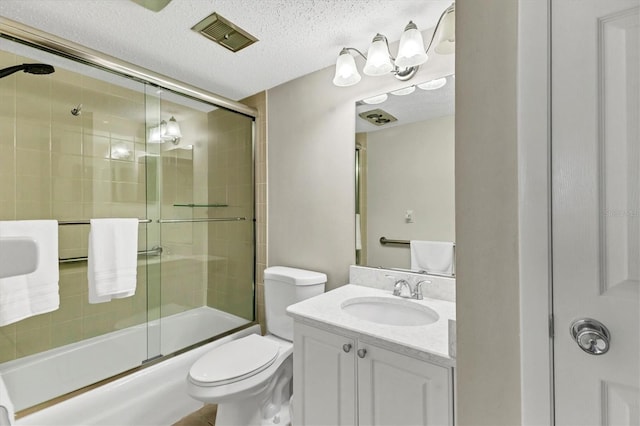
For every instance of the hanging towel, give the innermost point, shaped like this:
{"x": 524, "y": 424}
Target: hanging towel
{"x": 23, "y": 296}
{"x": 112, "y": 259}
{"x": 7, "y": 413}
{"x": 432, "y": 257}
{"x": 358, "y": 233}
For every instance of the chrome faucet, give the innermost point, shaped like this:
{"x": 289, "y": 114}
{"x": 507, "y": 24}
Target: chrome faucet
{"x": 416, "y": 293}
{"x": 399, "y": 286}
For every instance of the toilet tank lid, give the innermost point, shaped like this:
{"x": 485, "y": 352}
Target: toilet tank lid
{"x": 294, "y": 276}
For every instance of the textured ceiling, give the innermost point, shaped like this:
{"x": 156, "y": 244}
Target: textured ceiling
{"x": 296, "y": 37}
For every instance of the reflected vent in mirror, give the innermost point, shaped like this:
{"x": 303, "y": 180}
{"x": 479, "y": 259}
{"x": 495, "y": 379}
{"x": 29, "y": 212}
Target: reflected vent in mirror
{"x": 224, "y": 32}
{"x": 378, "y": 117}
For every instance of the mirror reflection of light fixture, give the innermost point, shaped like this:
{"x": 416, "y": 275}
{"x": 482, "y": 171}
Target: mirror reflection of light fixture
{"x": 411, "y": 52}
{"x": 433, "y": 84}
{"x": 374, "y": 100}
{"x": 165, "y": 131}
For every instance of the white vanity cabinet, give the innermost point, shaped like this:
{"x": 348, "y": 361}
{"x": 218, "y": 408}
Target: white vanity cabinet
{"x": 341, "y": 380}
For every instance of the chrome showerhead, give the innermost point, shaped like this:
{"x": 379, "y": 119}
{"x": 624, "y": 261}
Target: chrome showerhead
{"x": 38, "y": 69}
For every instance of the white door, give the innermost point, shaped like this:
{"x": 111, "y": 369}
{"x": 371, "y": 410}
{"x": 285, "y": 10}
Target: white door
{"x": 596, "y": 210}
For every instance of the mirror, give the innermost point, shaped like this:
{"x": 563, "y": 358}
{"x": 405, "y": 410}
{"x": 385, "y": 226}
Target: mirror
{"x": 404, "y": 172}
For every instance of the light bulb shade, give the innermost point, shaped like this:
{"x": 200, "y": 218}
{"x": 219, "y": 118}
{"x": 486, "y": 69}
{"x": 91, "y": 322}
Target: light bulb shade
{"x": 374, "y": 100}
{"x": 346, "y": 72}
{"x": 433, "y": 84}
{"x": 445, "y": 38}
{"x": 172, "y": 131}
{"x": 404, "y": 91}
{"x": 411, "y": 51}
{"x": 378, "y": 57}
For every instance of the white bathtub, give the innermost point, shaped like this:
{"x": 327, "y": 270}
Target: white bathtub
{"x": 153, "y": 396}
{"x": 40, "y": 377}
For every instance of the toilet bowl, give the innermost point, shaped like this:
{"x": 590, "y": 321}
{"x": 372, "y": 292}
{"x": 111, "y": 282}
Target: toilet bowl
{"x": 251, "y": 378}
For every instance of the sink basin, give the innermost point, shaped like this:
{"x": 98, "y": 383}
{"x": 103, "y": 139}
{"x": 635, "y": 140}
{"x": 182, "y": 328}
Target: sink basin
{"x": 385, "y": 310}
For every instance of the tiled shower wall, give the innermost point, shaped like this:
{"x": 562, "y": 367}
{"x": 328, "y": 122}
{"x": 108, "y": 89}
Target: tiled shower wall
{"x": 57, "y": 165}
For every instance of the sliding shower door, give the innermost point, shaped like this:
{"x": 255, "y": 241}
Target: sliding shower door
{"x": 85, "y": 142}
{"x": 202, "y": 165}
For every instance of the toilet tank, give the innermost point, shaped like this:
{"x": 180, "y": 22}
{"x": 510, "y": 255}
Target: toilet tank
{"x": 284, "y": 286}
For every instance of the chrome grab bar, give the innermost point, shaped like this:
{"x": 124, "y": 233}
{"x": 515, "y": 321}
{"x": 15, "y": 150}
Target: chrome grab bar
{"x": 385, "y": 240}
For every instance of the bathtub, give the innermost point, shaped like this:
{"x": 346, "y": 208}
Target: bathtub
{"x": 43, "y": 376}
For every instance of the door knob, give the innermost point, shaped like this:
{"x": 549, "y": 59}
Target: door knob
{"x": 591, "y": 336}
{"x": 362, "y": 353}
{"x": 346, "y": 347}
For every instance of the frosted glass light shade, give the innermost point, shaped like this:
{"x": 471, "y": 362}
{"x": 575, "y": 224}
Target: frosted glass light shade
{"x": 173, "y": 129}
{"x": 378, "y": 57}
{"x": 445, "y": 39}
{"x": 374, "y": 100}
{"x": 411, "y": 51}
{"x": 433, "y": 84}
{"x": 346, "y": 72}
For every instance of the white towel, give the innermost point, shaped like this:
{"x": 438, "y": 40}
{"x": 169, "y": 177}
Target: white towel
{"x": 7, "y": 415}
{"x": 112, "y": 259}
{"x": 23, "y": 296}
{"x": 358, "y": 233}
{"x": 432, "y": 257}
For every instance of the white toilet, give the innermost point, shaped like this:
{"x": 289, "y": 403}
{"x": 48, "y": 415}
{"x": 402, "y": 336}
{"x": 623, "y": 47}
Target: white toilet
{"x": 251, "y": 378}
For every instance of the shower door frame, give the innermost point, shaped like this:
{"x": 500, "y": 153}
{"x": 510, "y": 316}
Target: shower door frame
{"x": 23, "y": 34}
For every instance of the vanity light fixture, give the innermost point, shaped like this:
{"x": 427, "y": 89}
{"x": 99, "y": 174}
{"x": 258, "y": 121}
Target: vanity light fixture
{"x": 165, "y": 131}
{"x": 411, "y": 52}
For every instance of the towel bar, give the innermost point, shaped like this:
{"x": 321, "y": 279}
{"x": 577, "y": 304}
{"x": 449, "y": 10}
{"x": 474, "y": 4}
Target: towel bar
{"x": 213, "y": 219}
{"x": 155, "y": 251}
{"x": 87, "y": 222}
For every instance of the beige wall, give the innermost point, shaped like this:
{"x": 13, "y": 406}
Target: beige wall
{"x": 410, "y": 167}
{"x": 311, "y": 167}
{"x": 488, "y": 364}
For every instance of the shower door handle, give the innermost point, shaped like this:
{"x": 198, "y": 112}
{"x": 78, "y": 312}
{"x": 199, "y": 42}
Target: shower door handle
{"x": 591, "y": 336}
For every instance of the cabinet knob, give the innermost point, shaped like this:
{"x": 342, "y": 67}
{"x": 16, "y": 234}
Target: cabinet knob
{"x": 346, "y": 347}
{"x": 362, "y": 353}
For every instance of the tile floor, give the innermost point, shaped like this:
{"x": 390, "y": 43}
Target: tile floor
{"x": 206, "y": 416}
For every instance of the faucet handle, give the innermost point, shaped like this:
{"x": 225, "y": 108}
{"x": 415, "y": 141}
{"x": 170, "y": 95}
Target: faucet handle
{"x": 417, "y": 292}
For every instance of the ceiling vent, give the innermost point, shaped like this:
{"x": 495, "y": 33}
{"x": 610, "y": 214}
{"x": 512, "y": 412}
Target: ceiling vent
{"x": 224, "y": 32}
{"x": 377, "y": 117}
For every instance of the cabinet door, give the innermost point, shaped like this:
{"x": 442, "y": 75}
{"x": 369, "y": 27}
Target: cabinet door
{"x": 324, "y": 378}
{"x": 395, "y": 389}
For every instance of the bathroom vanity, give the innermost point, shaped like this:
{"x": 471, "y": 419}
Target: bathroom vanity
{"x": 364, "y": 356}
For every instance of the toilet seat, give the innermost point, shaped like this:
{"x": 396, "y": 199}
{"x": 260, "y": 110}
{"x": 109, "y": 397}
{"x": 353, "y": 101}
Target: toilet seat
{"x": 234, "y": 361}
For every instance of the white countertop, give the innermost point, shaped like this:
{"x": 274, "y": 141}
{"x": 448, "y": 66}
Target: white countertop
{"x": 429, "y": 342}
